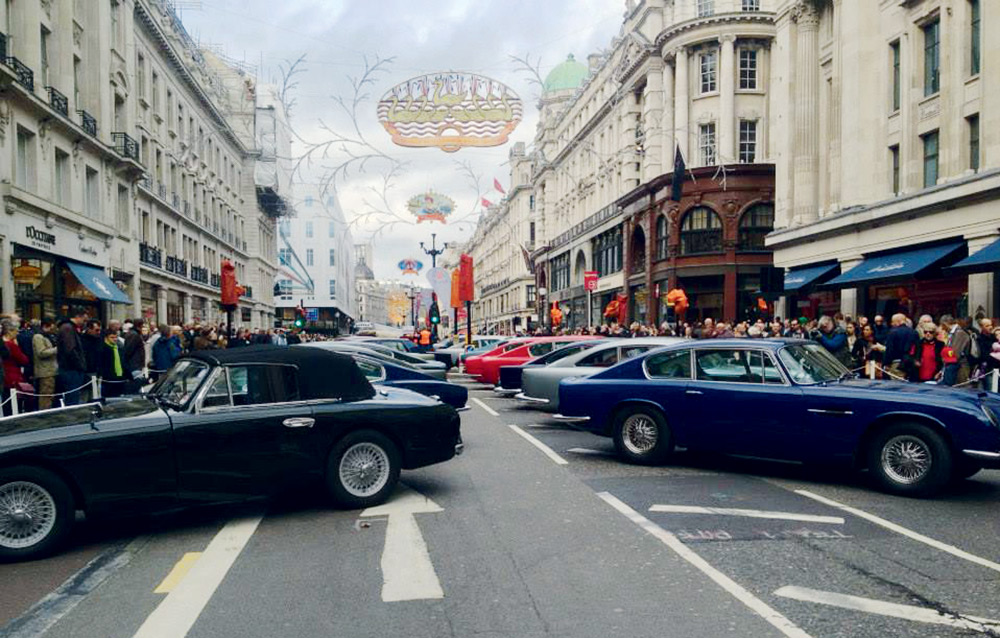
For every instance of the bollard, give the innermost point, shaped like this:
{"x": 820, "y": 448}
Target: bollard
{"x": 95, "y": 387}
{"x": 13, "y": 402}
{"x": 871, "y": 369}
{"x": 994, "y": 380}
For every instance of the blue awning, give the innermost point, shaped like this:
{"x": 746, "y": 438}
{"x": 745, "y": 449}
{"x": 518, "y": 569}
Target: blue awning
{"x": 985, "y": 260}
{"x": 98, "y": 283}
{"x": 802, "y": 277}
{"x": 896, "y": 265}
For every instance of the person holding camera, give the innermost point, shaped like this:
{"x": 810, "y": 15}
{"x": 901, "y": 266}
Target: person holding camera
{"x": 833, "y": 338}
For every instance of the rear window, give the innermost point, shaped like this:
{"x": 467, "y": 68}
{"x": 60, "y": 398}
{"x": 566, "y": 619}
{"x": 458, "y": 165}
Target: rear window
{"x": 601, "y": 359}
{"x": 670, "y": 365}
{"x": 538, "y": 349}
{"x": 253, "y": 385}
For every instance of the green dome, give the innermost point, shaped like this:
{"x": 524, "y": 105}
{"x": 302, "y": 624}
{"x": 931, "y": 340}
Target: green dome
{"x": 569, "y": 75}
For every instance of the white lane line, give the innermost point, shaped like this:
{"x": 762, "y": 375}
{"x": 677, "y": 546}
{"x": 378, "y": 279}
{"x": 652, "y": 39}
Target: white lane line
{"x": 727, "y": 511}
{"x": 407, "y": 570}
{"x": 174, "y": 617}
{"x": 586, "y": 451}
{"x": 756, "y": 605}
{"x": 899, "y": 529}
{"x": 881, "y": 608}
{"x": 488, "y": 409}
{"x": 541, "y": 446}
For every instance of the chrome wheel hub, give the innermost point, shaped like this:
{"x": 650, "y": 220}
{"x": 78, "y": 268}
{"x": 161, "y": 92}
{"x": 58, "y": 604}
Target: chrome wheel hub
{"x": 27, "y": 514}
{"x": 364, "y": 469}
{"x": 906, "y": 459}
{"x": 639, "y": 434}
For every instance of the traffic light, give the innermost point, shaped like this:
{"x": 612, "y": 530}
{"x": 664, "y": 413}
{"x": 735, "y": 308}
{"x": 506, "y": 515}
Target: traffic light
{"x": 300, "y": 318}
{"x": 435, "y": 314}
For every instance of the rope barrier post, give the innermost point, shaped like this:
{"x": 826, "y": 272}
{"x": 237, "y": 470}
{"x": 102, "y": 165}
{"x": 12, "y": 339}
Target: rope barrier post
{"x": 995, "y": 380}
{"x": 871, "y": 369}
{"x": 95, "y": 387}
{"x": 13, "y": 402}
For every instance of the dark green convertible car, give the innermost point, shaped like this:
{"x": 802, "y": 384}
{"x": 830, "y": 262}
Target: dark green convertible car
{"x": 221, "y": 426}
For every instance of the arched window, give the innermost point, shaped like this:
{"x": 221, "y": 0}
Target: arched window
{"x": 701, "y": 232}
{"x": 661, "y": 237}
{"x": 756, "y": 223}
{"x": 638, "y": 251}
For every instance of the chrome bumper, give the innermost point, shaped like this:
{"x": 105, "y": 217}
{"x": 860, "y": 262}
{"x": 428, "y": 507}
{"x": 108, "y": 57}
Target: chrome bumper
{"x": 988, "y": 459}
{"x": 524, "y": 397}
{"x": 464, "y": 408}
{"x": 459, "y": 448}
{"x": 570, "y": 419}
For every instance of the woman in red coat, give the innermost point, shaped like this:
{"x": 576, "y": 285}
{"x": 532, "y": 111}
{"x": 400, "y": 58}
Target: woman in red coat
{"x": 12, "y": 362}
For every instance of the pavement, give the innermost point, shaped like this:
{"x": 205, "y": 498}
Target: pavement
{"x": 539, "y": 530}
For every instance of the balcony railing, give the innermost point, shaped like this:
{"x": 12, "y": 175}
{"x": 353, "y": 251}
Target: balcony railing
{"x": 125, "y": 146}
{"x": 199, "y": 274}
{"x": 3, "y": 46}
{"x": 215, "y": 280}
{"x": 58, "y": 101}
{"x": 88, "y": 122}
{"x": 175, "y": 199}
{"x": 176, "y": 266}
{"x": 161, "y": 190}
{"x": 150, "y": 255}
{"x": 146, "y": 182}
{"x": 25, "y": 76}
{"x": 187, "y": 209}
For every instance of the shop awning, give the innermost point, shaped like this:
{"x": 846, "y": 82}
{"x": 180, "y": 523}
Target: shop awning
{"x": 896, "y": 265}
{"x": 802, "y": 277}
{"x": 985, "y": 260}
{"x": 98, "y": 283}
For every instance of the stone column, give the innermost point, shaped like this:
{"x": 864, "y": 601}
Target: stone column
{"x": 806, "y": 146}
{"x": 981, "y": 297}
{"x": 849, "y": 296}
{"x": 681, "y": 102}
{"x": 6, "y": 276}
{"x": 161, "y": 304}
{"x": 727, "y": 98}
{"x": 186, "y": 297}
{"x": 652, "y": 118}
{"x": 667, "y": 119}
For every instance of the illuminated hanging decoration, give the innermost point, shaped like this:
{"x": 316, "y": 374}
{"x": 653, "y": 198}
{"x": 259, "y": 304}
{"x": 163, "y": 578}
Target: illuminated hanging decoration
{"x": 450, "y": 111}
{"x": 431, "y": 206}
{"x": 410, "y": 266}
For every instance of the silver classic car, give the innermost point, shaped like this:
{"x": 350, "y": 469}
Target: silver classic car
{"x": 540, "y": 384}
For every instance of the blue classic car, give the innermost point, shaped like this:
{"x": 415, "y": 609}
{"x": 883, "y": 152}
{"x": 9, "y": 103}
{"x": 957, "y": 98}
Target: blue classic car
{"x": 787, "y": 400}
{"x": 380, "y": 372}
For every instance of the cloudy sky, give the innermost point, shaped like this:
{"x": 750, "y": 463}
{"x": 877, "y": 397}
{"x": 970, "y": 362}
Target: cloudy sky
{"x": 336, "y": 36}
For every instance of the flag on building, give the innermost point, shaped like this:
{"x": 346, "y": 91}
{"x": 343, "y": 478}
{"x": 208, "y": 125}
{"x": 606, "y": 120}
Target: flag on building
{"x": 496, "y": 185}
{"x": 485, "y": 202}
{"x": 677, "y": 183}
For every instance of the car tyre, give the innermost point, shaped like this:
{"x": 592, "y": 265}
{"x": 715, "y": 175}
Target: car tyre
{"x": 641, "y": 435}
{"x": 36, "y": 513}
{"x": 362, "y": 469}
{"x": 910, "y": 459}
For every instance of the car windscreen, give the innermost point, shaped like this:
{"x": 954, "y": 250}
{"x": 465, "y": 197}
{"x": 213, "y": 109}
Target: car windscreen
{"x": 565, "y": 351}
{"x": 180, "y": 383}
{"x": 810, "y": 363}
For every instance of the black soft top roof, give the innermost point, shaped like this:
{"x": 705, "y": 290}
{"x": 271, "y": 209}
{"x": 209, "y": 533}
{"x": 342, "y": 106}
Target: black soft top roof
{"x": 323, "y": 374}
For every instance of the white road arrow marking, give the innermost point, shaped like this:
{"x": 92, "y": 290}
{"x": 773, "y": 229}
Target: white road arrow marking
{"x": 407, "y": 571}
{"x": 726, "y": 511}
{"x": 895, "y": 610}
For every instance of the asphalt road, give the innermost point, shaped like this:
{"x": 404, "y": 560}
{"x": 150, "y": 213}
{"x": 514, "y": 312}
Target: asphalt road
{"x": 538, "y": 530}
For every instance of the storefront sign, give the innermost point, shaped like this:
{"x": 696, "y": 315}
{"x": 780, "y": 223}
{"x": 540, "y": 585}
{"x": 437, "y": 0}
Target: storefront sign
{"x": 611, "y": 282}
{"x": 32, "y": 232}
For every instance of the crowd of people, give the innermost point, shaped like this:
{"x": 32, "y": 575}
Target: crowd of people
{"x": 950, "y": 351}
{"x": 52, "y": 363}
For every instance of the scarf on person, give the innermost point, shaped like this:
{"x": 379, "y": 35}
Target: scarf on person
{"x": 113, "y": 344}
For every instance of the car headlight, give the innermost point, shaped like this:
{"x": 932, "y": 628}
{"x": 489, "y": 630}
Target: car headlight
{"x": 990, "y": 415}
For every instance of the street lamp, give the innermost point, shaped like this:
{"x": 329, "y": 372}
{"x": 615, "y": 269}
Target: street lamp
{"x": 434, "y": 251}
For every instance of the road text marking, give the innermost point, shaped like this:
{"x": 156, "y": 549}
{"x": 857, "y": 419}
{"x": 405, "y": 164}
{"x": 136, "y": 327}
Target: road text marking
{"x": 899, "y": 529}
{"x": 549, "y": 452}
{"x": 485, "y": 407}
{"x": 177, "y": 613}
{"x": 726, "y": 511}
{"x": 755, "y": 604}
{"x": 895, "y": 610}
{"x": 407, "y": 571}
{"x": 178, "y": 573}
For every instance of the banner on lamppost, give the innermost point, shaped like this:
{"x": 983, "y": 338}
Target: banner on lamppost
{"x": 466, "y": 283}
{"x": 440, "y": 282}
{"x": 456, "y": 297}
{"x": 590, "y": 280}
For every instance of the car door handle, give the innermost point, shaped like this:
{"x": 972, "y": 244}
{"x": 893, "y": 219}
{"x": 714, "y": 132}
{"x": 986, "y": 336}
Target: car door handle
{"x": 693, "y": 392}
{"x": 831, "y": 412}
{"x": 299, "y": 422}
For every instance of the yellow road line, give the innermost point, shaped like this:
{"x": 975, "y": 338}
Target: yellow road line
{"x": 178, "y": 573}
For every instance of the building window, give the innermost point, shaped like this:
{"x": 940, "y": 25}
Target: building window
{"x": 285, "y": 257}
{"x": 530, "y": 290}
{"x": 748, "y": 69}
{"x": 706, "y": 144}
{"x": 662, "y": 237}
{"x": 333, "y": 257}
{"x": 973, "y": 121}
{"x": 894, "y": 52}
{"x": 748, "y": 141}
{"x": 309, "y": 256}
{"x": 932, "y": 57}
{"x": 930, "y": 159}
{"x": 333, "y": 289}
{"x": 92, "y": 194}
{"x": 284, "y": 228}
{"x": 560, "y": 272}
{"x": 701, "y": 232}
{"x": 706, "y": 8}
{"x": 607, "y": 251}
{"x": 25, "y": 175}
{"x": 155, "y": 91}
{"x": 709, "y": 66}
{"x": 309, "y": 230}
{"x": 44, "y": 56}
{"x": 284, "y": 286}
{"x": 974, "y": 37}
{"x": 331, "y": 229}
{"x": 309, "y": 201}
{"x": 894, "y": 158}
{"x": 62, "y": 184}
{"x": 751, "y": 5}
{"x": 140, "y": 75}
{"x": 124, "y": 205}
{"x": 755, "y": 225}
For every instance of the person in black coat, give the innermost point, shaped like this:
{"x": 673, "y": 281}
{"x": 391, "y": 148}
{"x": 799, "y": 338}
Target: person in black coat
{"x": 111, "y": 366}
{"x": 134, "y": 357}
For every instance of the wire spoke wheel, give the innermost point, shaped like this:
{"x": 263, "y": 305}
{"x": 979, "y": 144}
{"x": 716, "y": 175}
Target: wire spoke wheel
{"x": 640, "y": 434}
{"x": 906, "y": 459}
{"x": 364, "y": 469}
{"x": 27, "y": 514}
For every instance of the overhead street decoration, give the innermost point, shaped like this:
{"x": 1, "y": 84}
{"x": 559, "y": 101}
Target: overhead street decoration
{"x": 450, "y": 111}
{"x": 431, "y": 207}
{"x": 410, "y": 266}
